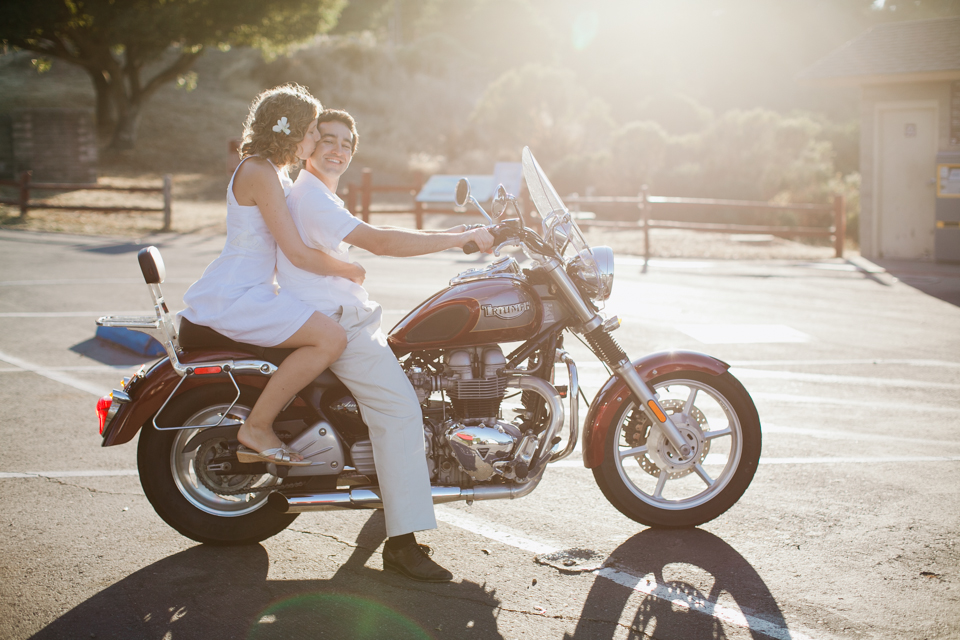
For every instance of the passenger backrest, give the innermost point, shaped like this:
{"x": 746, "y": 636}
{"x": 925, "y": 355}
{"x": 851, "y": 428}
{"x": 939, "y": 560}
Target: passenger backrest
{"x": 151, "y": 265}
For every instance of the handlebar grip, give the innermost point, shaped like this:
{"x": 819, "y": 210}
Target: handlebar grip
{"x": 470, "y": 247}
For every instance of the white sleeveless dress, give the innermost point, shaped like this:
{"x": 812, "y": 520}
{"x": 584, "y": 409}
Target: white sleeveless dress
{"x": 237, "y": 295}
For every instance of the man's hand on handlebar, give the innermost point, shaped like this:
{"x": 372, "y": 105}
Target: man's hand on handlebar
{"x": 479, "y": 239}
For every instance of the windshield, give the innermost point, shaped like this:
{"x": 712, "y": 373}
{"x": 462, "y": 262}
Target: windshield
{"x": 560, "y": 230}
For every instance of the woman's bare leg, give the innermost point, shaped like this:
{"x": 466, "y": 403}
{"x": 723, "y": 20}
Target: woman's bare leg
{"x": 319, "y": 342}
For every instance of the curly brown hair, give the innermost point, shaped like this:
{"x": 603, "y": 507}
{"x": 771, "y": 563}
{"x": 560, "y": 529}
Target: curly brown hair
{"x": 336, "y": 115}
{"x": 290, "y": 101}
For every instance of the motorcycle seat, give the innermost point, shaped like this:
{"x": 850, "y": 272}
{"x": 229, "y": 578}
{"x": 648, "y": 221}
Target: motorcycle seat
{"x": 196, "y": 337}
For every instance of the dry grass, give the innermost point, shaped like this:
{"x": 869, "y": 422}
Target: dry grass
{"x": 678, "y": 243}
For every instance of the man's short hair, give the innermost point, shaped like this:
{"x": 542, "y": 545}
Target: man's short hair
{"x": 336, "y": 115}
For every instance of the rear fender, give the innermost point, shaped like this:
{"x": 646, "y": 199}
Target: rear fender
{"x": 148, "y": 394}
{"x": 615, "y": 392}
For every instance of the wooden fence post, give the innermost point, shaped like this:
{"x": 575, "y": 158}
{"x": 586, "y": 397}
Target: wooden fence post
{"x": 417, "y": 205}
{"x": 351, "y": 197}
{"x": 25, "y": 192}
{"x": 366, "y": 191}
{"x": 645, "y": 215}
{"x": 167, "y": 202}
{"x": 839, "y": 223}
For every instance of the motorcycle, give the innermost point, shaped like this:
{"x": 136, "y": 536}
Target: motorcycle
{"x": 672, "y": 438}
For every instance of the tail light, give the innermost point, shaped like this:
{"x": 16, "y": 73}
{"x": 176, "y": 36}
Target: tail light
{"x": 103, "y": 407}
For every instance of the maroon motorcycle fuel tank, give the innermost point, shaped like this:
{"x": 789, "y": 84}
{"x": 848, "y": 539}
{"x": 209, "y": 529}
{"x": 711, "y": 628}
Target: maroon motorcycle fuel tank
{"x": 470, "y": 314}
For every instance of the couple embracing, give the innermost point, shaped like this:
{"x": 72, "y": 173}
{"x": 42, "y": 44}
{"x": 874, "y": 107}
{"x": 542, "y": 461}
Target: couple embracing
{"x": 296, "y": 235}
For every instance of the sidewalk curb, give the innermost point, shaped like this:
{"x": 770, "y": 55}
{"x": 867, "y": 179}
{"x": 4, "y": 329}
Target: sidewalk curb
{"x": 873, "y": 271}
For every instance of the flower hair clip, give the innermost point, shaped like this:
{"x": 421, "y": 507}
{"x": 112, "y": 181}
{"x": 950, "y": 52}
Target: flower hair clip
{"x": 282, "y": 126}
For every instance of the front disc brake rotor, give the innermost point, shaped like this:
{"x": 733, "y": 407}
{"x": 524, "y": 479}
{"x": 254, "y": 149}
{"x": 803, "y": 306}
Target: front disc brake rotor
{"x": 660, "y": 454}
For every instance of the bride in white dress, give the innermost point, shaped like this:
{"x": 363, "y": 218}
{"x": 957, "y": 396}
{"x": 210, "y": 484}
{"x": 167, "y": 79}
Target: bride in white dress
{"x": 237, "y": 294}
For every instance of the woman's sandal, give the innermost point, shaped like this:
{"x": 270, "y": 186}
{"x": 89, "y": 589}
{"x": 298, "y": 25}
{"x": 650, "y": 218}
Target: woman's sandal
{"x": 277, "y": 455}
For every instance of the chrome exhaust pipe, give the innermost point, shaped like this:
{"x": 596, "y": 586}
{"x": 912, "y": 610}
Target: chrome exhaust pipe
{"x": 371, "y": 499}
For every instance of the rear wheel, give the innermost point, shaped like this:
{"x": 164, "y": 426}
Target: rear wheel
{"x": 185, "y": 488}
{"x": 644, "y": 477}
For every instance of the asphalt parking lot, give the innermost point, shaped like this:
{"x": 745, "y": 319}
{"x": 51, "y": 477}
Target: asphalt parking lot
{"x": 849, "y": 529}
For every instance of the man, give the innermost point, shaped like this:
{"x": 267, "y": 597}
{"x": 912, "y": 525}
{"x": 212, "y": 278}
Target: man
{"x": 368, "y": 367}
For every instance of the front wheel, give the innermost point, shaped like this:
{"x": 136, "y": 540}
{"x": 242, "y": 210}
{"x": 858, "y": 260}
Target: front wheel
{"x": 187, "y": 489}
{"x": 644, "y": 478}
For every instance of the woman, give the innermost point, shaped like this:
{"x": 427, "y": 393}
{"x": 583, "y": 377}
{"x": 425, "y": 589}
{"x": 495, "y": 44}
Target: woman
{"x": 237, "y": 295}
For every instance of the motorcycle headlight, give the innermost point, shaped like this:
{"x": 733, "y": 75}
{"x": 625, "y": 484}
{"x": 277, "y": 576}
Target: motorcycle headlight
{"x": 595, "y": 272}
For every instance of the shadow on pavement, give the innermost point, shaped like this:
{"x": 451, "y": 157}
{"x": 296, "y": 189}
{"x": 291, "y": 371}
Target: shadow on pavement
{"x": 109, "y": 353}
{"x": 937, "y": 279}
{"x": 714, "y": 574}
{"x": 116, "y": 249}
{"x": 223, "y": 592}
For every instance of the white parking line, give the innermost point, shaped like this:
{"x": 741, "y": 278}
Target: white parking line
{"x": 834, "y": 363}
{"x": 58, "y": 376}
{"x": 509, "y": 537}
{"x": 675, "y": 597}
{"x": 878, "y": 405}
{"x": 742, "y": 333}
{"x": 578, "y": 464}
{"x": 838, "y": 434}
{"x": 572, "y": 462}
{"x": 87, "y": 281}
{"x": 501, "y": 534}
{"x": 96, "y": 368}
{"x": 743, "y": 373}
{"x": 590, "y": 370}
{"x": 646, "y": 584}
{"x": 74, "y": 314}
{"x": 72, "y": 474}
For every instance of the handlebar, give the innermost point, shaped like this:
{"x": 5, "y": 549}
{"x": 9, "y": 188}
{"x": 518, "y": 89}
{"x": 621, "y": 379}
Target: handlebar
{"x": 503, "y": 232}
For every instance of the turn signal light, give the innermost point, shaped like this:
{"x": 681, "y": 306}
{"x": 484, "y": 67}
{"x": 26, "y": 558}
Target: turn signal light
{"x": 103, "y": 406}
{"x": 207, "y": 370}
{"x": 657, "y": 411}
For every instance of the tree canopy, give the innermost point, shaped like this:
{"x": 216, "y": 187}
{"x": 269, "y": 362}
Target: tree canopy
{"x": 130, "y": 48}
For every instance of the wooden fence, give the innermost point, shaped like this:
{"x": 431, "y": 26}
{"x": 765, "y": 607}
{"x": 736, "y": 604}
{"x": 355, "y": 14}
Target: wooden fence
{"x": 363, "y": 193}
{"x": 25, "y": 185}
{"x": 646, "y": 203}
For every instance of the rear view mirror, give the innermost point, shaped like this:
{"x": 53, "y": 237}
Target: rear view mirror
{"x": 463, "y": 192}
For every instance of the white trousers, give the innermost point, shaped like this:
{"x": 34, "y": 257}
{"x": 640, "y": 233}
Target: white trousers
{"x": 389, "y": 407}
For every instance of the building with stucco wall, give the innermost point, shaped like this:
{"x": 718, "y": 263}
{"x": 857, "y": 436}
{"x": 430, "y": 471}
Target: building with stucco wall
{"x": 909, "y": 75}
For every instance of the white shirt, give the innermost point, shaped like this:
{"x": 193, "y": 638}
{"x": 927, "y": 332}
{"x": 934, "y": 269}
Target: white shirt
{"x": 323, "y": 223}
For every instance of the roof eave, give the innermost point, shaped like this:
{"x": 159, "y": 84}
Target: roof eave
{"x": 947, "y": 75}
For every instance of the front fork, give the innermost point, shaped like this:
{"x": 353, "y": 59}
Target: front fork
{"x": 610, "y": 352}
{"x": 652, "y": 408}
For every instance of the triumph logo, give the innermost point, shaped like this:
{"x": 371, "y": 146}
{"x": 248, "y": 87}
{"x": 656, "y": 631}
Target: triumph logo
{"x": 506, "y": 311}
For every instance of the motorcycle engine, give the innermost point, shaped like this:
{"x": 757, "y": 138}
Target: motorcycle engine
{"x": 463, "y": 450}
{"x": 476, "y": 444}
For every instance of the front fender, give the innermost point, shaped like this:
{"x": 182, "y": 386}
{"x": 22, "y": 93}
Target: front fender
{"x": 149, "y": 394}
{"x": 615, "y": 391}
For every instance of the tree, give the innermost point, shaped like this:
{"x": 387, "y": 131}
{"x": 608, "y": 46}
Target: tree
{"x": 542, "y": 107}
{"x": 130, "y": 48}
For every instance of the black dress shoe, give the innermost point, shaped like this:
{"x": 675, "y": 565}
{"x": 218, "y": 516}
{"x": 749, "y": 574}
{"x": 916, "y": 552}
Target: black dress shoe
{"x": 412, "y": 561}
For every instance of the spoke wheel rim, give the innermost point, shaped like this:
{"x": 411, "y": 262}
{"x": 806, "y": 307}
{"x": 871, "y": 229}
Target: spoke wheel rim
{"x": 185, "y": 467}
{"x": 629, "y": 466}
